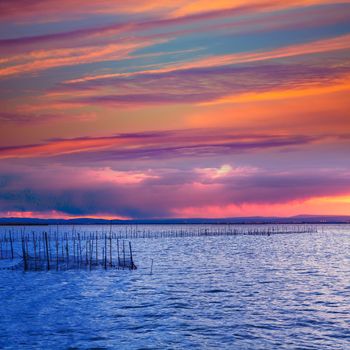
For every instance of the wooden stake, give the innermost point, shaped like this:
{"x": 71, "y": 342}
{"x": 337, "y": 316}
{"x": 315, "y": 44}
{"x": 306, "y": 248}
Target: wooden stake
{"x": 47, "y": 251}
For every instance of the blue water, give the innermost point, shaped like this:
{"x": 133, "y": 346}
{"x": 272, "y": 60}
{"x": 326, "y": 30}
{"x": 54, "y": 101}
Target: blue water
{"x": 245, "y": 292}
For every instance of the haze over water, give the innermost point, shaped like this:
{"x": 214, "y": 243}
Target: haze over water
{"x": 286, "y": 291}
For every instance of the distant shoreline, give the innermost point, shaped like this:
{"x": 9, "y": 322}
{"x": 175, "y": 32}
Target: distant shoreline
{"x": 297, "y": 220}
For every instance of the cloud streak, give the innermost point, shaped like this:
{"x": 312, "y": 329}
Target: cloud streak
{"x": 204, "y": 85}
{"x": 314, "y": 47}
{"x": 187, "y": 143}
{"x": 36, "y": 9}
{"x": 42, "y": 60}
{"x": 116, "y": 42}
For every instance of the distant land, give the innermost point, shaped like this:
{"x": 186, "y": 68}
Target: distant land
{"x": 299, "y": 219}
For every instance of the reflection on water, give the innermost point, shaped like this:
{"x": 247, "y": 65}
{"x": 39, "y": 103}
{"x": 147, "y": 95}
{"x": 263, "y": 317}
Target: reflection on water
{"x": 245, "y": 292}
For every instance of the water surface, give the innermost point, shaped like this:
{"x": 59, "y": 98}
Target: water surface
{"x": 242, "y": 292}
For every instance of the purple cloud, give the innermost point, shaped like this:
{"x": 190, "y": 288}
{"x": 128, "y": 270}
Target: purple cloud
{"x": 73, "y": 191}
{"x": 158, "y": 145}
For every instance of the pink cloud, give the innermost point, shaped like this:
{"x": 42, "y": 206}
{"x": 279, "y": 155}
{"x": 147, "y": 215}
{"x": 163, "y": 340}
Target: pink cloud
{"x": 77, "y": 191}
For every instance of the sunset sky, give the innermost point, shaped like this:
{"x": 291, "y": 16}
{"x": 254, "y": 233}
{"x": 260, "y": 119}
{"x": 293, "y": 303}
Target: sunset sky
{"x": 174, "y": 108}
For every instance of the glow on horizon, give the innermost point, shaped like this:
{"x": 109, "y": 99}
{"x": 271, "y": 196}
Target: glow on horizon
{"x": 56, "y": 215}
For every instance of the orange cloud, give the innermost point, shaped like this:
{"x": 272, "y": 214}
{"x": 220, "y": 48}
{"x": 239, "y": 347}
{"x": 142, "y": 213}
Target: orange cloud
{"x": 199, "y": 6}
{"x": 337, "y": 205}
{"x": 338, "y": 200}
{"x": 302, "y": 113}
{"x": 339, "y": 85}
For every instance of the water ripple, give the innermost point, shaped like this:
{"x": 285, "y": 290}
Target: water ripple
{"x": 276, "y": 292}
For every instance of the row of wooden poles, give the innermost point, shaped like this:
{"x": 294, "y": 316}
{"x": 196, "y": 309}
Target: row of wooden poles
{"x": 42, "y": 251}
{"x": 213, "y": 231}
{"x": 123, "y": 232}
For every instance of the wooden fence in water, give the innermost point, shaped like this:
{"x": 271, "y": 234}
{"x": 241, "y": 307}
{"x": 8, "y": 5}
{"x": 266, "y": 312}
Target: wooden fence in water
{"x": 164, "y": 231}
{"x": 64, "y": 249}
{"x": 43, "y": 251}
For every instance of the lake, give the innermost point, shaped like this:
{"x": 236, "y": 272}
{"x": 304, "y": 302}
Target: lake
{"x": 278, "y": 291}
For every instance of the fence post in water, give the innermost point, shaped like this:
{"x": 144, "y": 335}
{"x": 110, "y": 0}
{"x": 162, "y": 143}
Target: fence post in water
{"x": 105, "y": 250}
{"x": 103, "y": 261}
{"x": 24, "y": 253}
{"x": 110, "y": 249}
{"x": 62, "y": 249}
{"x": 118, "y": 253}
{"x": 74, "y": 258}
{"x": 131, "y": 259}
{"x": 34, "y": 246}
{"x": 80, "y": 255}
{"x": 11, "y": 243}
{"x": 91, "y": 248}
{"x": 86, "y": 252}
{"x": 96, "y": 238}
{"x": 67, "y": 251}
{"x": 26, "y": 239}
{"x": 56, "y": 254}
{"x": 123, "y": 254}
{"x": 47, "y": 251}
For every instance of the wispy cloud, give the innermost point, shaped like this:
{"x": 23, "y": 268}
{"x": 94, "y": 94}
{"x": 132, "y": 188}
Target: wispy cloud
{"x": 218, "y": 84}
{"x": 42, "y": 60}
{"x": 178, "y": 143}
{"x": 48, "y": 10}
{"x": 313, "y": 47}
{"x": 117, "y": 41}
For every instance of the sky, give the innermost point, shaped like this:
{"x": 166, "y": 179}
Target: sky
{"x": 188, "y": 108}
